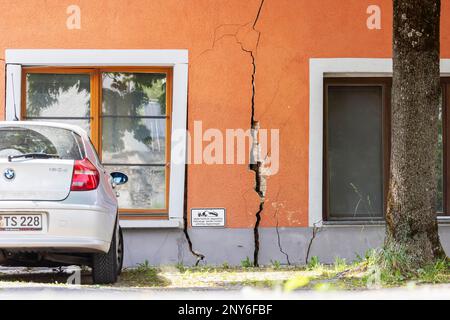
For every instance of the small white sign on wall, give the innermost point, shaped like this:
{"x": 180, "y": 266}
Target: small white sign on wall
{"x": 208, "y": 217}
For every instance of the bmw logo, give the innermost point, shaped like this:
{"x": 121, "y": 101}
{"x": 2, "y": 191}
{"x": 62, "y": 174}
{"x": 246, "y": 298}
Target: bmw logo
{"x": 9, "y": 174}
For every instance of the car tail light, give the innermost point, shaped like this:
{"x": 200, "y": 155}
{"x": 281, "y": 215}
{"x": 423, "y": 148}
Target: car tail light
{"x": 85, "y": 176}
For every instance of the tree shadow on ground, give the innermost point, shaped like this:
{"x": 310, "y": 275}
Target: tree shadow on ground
{"x": 45, "y": 275}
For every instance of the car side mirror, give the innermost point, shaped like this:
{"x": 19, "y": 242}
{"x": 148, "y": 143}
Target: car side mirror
{"x": 119, "y": 178}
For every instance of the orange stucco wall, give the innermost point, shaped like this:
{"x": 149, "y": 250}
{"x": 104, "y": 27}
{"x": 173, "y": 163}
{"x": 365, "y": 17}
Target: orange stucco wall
{"x": 292, "y": 31}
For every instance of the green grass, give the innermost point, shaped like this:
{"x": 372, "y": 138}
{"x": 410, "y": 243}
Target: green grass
{"x": 375, "y": 269}
{"x": 246, "y": 263}
{"x": 143, "y": 276}
{"x": 392, "y": 267}
{"x": 314, "y": 263}
{"x": 275, "y": 264}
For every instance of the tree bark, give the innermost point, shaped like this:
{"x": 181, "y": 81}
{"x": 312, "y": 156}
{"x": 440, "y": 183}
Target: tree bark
{"x": 416, "y": 93}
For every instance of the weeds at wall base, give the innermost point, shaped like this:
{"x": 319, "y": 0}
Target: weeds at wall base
{"x": 370, "y": 271}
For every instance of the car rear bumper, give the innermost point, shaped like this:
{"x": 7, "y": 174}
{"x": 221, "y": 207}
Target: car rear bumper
{"x": 74, "y": 229}
{"x": 54, "y": 244}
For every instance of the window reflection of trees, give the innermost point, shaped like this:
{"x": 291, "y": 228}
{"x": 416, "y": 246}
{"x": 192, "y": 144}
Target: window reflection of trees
{"x": 145, "y": 189}
{"x": 126, "y": 101}
{"x": 45, "y": 89}
{"x": 127, "y": 95}
{"x": 129, "y": 113}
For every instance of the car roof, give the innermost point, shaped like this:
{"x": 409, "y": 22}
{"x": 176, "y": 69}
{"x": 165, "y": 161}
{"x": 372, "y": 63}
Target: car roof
{"x": 70, "y": 127}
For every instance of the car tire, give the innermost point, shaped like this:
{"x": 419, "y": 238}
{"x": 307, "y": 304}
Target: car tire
{"x": 120, "y": 252}
{"x": 106, "y": 267}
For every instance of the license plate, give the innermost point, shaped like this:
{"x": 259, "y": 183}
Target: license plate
{"x": 20, "y": 222}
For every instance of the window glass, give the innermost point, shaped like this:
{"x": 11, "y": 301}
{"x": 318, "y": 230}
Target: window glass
{"x": 146, "y": 186}
{"x": 16, "y": 141}
{"x": 58, "y": 95}
{"x": 134, "y": 94}
{"x": 355, "y": 151}
{"x": 134, "y": 125}
{"x": 134, "y": 140}
{"x": 125, "y": 113}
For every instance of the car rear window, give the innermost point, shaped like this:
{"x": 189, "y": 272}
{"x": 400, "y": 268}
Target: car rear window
{"x": 16, "y": 141}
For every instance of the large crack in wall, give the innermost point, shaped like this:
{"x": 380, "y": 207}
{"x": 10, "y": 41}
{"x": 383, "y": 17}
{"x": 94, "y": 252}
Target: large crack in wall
{"x": 260, "y": 180}
{"x": 196, "y": 254}
{"x": 315, "y": 230}
{"x": 277, "y": 206}
{"x": 256, "y": 163}
{"x": 256, "y": 159}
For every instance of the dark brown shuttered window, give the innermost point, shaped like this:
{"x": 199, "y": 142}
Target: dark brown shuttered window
{"x": 357, "y": 148}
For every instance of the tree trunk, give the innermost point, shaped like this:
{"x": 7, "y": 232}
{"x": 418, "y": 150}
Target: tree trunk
{"x": 416, "y": 93}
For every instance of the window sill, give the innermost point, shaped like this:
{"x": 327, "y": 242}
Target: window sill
{"x": 151, "y": 224}
{"x": 353, "y": 223}
{"x": 442, "y": 220}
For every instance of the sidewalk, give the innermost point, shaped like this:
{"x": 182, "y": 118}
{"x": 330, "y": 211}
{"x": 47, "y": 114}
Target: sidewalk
{"x": 14, "y": 291}
{"x": 170, "y": 283}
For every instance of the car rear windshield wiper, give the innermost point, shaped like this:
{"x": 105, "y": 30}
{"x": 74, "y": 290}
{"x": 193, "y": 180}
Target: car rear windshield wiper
{"x": 34, "y": 156}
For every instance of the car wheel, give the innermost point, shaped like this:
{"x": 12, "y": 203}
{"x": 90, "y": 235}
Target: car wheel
{"x": 120, "y": 252}
{"x": 105, "y": 266}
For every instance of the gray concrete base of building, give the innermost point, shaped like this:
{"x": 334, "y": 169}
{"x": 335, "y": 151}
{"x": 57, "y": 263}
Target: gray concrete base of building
{"x": 170, "y": 247}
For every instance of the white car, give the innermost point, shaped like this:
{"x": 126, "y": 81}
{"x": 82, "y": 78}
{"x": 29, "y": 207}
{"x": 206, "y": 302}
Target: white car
{"x": 58, "y": 206}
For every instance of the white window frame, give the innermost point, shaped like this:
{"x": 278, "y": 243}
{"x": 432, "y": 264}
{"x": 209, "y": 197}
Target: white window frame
{"x": 318, "y": 70}
{"x": 15, "y": 59}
